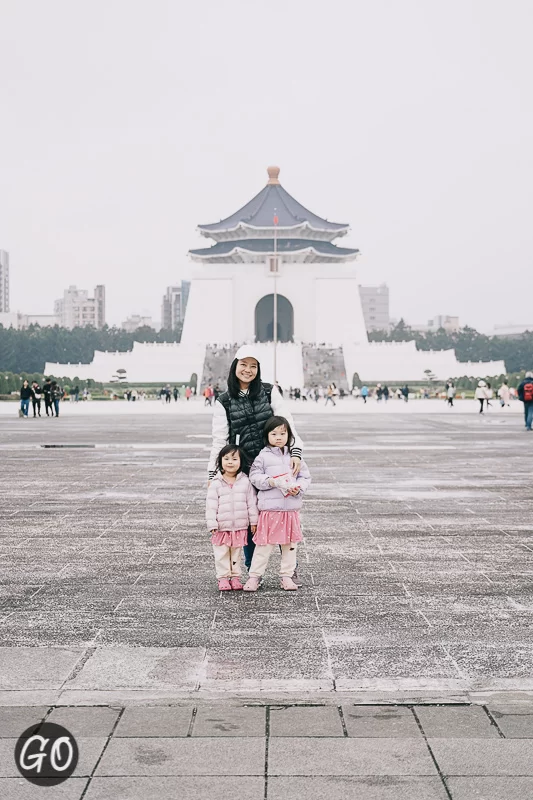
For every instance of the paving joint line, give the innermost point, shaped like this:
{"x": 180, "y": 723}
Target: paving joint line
{"x": 493, "y": 722}
{"x": 106, "y": 745}
{"x": 435, "y": 762}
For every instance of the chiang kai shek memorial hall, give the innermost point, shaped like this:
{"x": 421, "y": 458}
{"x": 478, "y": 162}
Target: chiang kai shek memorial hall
{"x": 274, "y": 244}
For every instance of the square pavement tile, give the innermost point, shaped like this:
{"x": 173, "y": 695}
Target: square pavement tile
{"x": 136, "y": 668}
{"x": 21, "y": 789}
{"x": 367, "y": 788}
{"x": 490, "y": 788}
{"x": 231, "y": 756}
{"x": 456, "y": 722}
{"x": 36, "y": 668}
{"x": 389, "y": 722}
{"x": 307, "y": 757}
{"x": 514, "y": 721}
{"x": 89, "y": 753}
{"x": 227, "y": 721}
{"x": 464, "y": 757}
{"x": 305, "y": 721}
{"x": 154, "y": 721}
{"x": 179, "y": 788}
{"x": 15, "y": 719}
{"x": 86, "y": 720}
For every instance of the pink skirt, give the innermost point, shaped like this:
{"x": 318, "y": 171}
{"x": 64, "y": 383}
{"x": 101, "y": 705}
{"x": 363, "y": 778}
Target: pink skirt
{"x": 278, "y": 527}
{"x": 230, "y": 538}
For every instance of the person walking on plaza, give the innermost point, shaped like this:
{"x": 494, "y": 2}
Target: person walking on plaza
{"x": 364, "y": 393}
{"x": 450, "y": 393}
{"x": 47, "y": 394}
{"x": 26, "y": 395}
{"x": 176, "y": 393}
{"x": 525, "y": 394}
{"x": 379, "y": 393}
{"x": 386, "y": 392}
{"x": 405, "y": 393}
{"x": 231, "y": 508}
{"x": 330, "y": 397}
{"x": 504, "y": 394}
{"x": 481, "y": 395}
{"x": 240, "y": 414}
{"x": 37, "y": 394}
{"x": 188, "y": 393}
{"x": 279, "y": 505}
{"x": 56, "y": 394}
{"x": 490, "y": 395}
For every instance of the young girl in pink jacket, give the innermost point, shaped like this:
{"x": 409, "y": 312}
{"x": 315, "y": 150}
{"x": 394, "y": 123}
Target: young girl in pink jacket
{"x": 279, "y": 501}
{"x": 231, "y": 507}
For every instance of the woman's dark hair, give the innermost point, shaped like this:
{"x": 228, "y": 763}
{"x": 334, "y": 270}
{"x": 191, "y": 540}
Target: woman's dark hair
{"x": 231, "y": 448}
{"x": 234, "y": 387}
{"x": 275, "y": 422}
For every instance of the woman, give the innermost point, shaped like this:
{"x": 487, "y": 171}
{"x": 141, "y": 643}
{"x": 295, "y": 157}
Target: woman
{"x": 240, "y": 415}
{"x": 504, "y": 394}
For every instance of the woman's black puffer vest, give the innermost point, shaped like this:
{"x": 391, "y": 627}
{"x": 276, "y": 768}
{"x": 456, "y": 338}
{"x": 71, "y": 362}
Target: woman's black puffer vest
{"x": 246, "y": 420}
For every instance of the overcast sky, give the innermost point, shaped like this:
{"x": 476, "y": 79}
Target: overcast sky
{"x": 126, "y": 123}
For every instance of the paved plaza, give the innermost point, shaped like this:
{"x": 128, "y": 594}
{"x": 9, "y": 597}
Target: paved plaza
{"x": 401, "y": 670}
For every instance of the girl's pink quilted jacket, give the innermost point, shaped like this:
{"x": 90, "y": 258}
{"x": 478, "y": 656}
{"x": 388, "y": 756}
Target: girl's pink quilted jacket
{"x": 231, "y": 507}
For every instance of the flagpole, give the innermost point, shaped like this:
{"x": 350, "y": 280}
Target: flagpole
{"x": 275, "y": 296}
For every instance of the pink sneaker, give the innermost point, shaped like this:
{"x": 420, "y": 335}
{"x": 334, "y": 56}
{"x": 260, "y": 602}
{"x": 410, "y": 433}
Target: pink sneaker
{"x": 252, "y": 584}
{"x": 235, "y": 583}
{"x": 288, "y": 583}
{"x": 224, "y": 585}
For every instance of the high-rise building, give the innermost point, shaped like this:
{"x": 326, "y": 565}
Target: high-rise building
{"x": 375, "y": 303}
{"x": 4, "y": 282}
{"x": 174, "y": 305}
{"x": 77, "y": 310}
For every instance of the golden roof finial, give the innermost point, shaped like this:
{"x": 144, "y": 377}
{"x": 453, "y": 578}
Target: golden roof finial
{"x": 273, "y": 175}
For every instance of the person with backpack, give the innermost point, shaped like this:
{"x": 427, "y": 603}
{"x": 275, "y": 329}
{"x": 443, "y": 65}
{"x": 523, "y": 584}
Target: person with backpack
{"x": 239, "y": 417}
{"x": 525, "y": 394}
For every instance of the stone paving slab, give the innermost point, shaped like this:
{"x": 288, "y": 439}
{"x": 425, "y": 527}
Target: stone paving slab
{"x": 214, "y": 756}
{"x": 462, "y": 722}
{"x": 490, "y": 788}
{"x": 483, "y": 756}
{"x": 388, "y": 722}
{"x": 176, "y": 788}
{"x": 514, "y": 721}
{"x": 155, "y": 721}
{"x": 212, "y": 721}
{"x": 368, "y": 788}
{"x": 20, "y": 789}
{"x": 90, "y": 750}
{"x": 26, "y": 668}
{"x": 298, "y": 721}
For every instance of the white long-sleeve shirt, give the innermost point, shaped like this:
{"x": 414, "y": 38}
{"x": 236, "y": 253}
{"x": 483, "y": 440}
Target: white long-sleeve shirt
{"x": 220, "y": 428}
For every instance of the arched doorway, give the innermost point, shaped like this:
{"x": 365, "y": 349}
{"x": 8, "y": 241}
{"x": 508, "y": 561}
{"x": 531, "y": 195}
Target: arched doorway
{"x": 264, "y": 319}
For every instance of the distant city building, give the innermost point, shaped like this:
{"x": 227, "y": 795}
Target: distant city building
{"x": 4, "y": 282}
{"x": 14, "y": 319}
{"x": 449, "y": 324}
{"x": 375, "y": 303}
{"x": 135, "y": 322}
{"x": 77, "y": 310}
{"x": 174, "y": 305}
{"x": 511, "y": 331}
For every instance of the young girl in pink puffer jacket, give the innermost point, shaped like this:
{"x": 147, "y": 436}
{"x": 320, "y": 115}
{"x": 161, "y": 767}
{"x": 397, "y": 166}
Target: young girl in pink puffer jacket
{"x": 231, "y": 507}
{"x": 279, "y": 508}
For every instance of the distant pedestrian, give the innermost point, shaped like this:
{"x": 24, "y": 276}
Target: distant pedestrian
{"x": 364, "y": 393}
{"x": 525, "y": 394}
{"x": 386, "y": 392}
{"x": 450, "y": 394}
{"x": 176, "y": 393}
{"x": 25, "y": 397}
{"x": 76, "y": 394}
{"x": 47, "y": 394}
{"x": 56, "y": 395}
{"x": 188, "y": 393}
{"x": 481, "y": 395}
{"x": 490, "y": 395}
{"x": 379, "y": 392}
{"x": 37, "y": 394}
{"x": 405, "y": 393}
{"x": 231, "y": 506}
{"x": 330, "y": 398}
{"x": 504, "y": 393}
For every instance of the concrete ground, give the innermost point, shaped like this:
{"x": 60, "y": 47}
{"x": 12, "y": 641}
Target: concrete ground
{"x": 403, "y": 668}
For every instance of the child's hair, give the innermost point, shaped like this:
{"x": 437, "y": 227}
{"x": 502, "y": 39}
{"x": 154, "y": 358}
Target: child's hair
{"x": 231, "y": 448}
{"x": 275, "y": 422}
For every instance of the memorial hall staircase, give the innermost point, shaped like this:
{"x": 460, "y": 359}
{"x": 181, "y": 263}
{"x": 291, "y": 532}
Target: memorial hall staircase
{"x": 218, "y": 360}
{"x": 324, "y": 365}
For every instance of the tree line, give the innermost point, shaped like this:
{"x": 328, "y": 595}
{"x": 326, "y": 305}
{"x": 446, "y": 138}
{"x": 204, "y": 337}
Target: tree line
{"x": 469, "y": 345}
{"x": 27, "y": 350}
